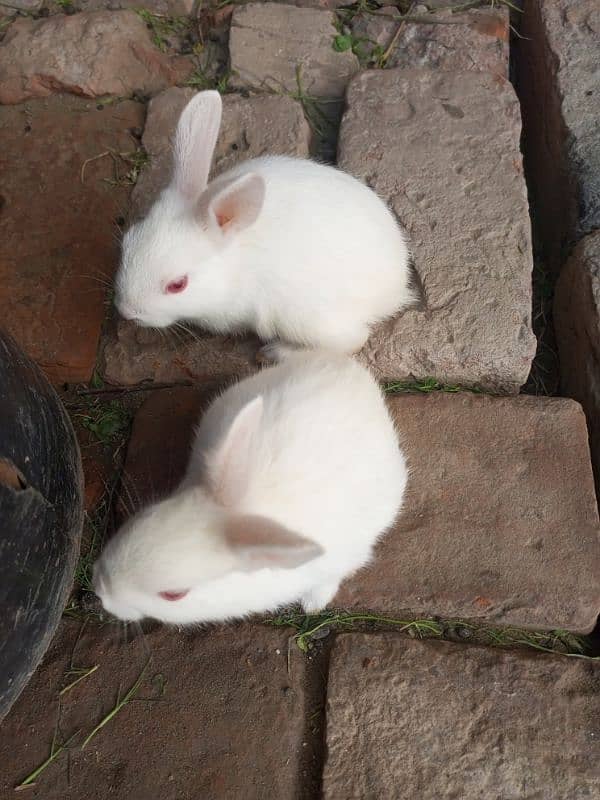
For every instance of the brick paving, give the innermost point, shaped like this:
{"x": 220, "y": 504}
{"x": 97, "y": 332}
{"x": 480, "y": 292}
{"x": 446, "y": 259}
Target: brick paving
{"x": 500, "y": 525}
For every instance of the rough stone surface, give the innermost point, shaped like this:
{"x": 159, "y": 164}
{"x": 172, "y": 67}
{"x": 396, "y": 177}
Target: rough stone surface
{"x": 500, "y": 501}
{"x": 229, "y": 723}
{"x": 170, "y": 8}
{"x": 577, "y": 324}
{"x": 20, "y": 5}
{"x": 57, "y": 233}
{"x": 428, "y": 720}
{"x": 474, "y": 41}
{"x": 443, "y": 149}
{"x": 131, "y": 354}
{"x": 559, "y": 83}
{"x": 500, "y": 518}
{"x": 100, "y": 53}
{"x": 268, "y": 42}
{"x": 250, "y": 127}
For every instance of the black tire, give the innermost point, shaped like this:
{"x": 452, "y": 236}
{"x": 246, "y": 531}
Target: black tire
{"x": 41, "y": 517}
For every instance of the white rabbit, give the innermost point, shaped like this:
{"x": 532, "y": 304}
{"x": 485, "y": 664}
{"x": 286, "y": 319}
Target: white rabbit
{"x": 293, "y": 250}
{"x": 295, "y": 473}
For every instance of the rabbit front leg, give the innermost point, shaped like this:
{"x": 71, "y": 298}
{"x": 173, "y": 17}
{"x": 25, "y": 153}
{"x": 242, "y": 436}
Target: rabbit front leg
{"x": 318, "y": 597}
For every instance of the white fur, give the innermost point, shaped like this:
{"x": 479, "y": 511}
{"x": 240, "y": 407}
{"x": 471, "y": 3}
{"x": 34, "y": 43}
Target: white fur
{"x": 288, "y": 248}
{"x": 294, "y": 474}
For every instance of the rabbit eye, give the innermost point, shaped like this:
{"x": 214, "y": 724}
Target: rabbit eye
{"x": 173, "y": 595}
{"x": 174, "y": 287}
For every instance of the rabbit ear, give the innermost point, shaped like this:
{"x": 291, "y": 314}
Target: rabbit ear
{"x": 259, "y": 542}
{"x": 195, "y": 140}
{"x": 228, "y": 466}
{"x": 234, "y": 205}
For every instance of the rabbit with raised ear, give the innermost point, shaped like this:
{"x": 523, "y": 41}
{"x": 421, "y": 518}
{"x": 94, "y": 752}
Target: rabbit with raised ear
{"x": 295, "y": 473}
{"x": 301, "y": 253}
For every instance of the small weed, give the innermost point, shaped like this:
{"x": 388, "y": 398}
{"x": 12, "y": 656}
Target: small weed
{"x": 55, "y": 752}
{"x": 66, "y": 5}
{"x": 80, "y": 673}
{"x": 76, "y": 611}
{"x": 426, "y": 386}
{"x": 107, "y": 421}
{"x": 362, "y": 47}
{"x": 201, "y": 81}
{"x": 311, "y": 627}
{"x": 163, "y": 26}
{"x": 135, "y": 163}
{"x": 120, "y": 704}
{"x": 312, "y": 107}
{"x": 558, "y": 642}
{"x": 96, "y": 382}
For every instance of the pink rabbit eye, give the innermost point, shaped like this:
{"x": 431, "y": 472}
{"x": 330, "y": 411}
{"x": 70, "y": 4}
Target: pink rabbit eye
{"x": 173, "y": 595}
{"x": 174, "y": 287}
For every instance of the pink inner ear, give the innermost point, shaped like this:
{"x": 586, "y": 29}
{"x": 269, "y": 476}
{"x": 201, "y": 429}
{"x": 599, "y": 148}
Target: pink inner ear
{"x": 173, "y": 595}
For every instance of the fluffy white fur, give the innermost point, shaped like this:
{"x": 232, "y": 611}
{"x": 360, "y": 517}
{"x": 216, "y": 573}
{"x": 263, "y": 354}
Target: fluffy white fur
{"x": 294, "y": 474}
{"x": 294, "y": 250}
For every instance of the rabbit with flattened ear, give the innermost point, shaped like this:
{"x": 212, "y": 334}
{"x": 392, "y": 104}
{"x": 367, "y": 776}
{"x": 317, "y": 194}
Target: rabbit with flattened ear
{"x": 301, "y": 253}
{"x": 294, "y": 475}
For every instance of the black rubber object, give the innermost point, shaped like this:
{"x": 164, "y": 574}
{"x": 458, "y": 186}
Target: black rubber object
{"x": 41, "y": 517}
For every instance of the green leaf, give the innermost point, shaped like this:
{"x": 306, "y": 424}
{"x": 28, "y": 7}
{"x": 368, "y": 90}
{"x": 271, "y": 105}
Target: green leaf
{"x": 96, "y": 382}
{"x": 342, "y": 42}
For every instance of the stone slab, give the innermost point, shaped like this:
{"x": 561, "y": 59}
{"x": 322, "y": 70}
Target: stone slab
{"x": 500, "y": 519}
{"x": 10, "y": 6}
{"x": 268, "y": 42}
{"x": 100, "y": 53}
{"x": 433, "y": 720}
{"x": 442, "y": 148}
{"x": 58, "y": 246}
{"x": 577, "y": 325}
{"x": 477, "y": 40}
{"x": 131, "y": 355}
{"x": 168, "y": 8}
{"x": 558, "y": 74}
{"x": 229, "y": 724}
{"x": 251, "y": 127}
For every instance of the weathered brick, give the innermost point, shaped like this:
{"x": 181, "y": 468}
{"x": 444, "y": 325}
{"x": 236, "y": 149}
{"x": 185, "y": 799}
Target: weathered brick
{"x": 500, "y": 518}
{"x": 443, "y": 149}
{"x": 269, "y": 42}
{"x": 477, "y": 40}
{"x": 57, "y": 226}
{"x": 101, "y": 52}
{"x": 228, "y": 721}
{"x": 427, "y": 720}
